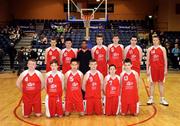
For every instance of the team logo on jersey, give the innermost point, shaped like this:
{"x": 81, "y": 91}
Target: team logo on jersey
{"x": 26, "y": 79}
{"x": 110, "y": 82}
{"x": 115, "y": 54}
{"x": 50, "y": 52}
{"x": 71, "y": 79}
{"x": 53, "y": 86}
{"x": 125, "y": 78}
{"x": 50, "y": 80}
{"x": 112, "y": 49}
{"x": 133, "y": 57}
{"x": 74, "y": 84}
{"x": 113, "y": 88}
{"x": 65, "y": 54}
{"x": 152, "y": 51}
{"x": 94, "y": 84}
{"x": 91, "y": 79}
{"x": 97, "y": 52}
{"x": 130, "y": 51}
{"x": 53, "y": 57}
{"x": 129, "y": 83}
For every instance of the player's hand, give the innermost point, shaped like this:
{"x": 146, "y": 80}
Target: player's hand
{"x": 147, "y": 72}
{"x": 165, "y": 72}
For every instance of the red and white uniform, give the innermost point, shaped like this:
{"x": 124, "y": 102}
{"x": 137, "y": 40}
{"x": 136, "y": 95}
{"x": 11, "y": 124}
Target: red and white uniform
{"x": 134, "y": 54}
{"x": 129, "y": 93}
{"x": 115, "y": 54}
{"x": 157, "y": 64}
{"x": 74, "y": 98}
{"x": 54, "y": 90}
{"x": 93, "y": 93}
{"x": 51, "y": 55}
{"x": 100, "y": 55}
{"x": 31, "y": 89}
{"x": 67, "y": 55}
{"x": 112, "y": 91}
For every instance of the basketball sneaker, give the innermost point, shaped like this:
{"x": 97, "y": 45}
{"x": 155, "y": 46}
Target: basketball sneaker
{"x": 150, "y": 101}
{"x": 163, "y": 101}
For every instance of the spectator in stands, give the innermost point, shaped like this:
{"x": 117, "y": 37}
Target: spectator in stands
{"x": 60, "y": 42}
{"x": 151, "y": 35}
{"x": 21, "y": 60}
{"x": 1, "y": 58}
{"x": 32, "y": 54}
{"x": 168, "y": 52}
{"x": 43, "y": 39}
{"x": 176, "y": 54}
{"x": 12, "y": 54}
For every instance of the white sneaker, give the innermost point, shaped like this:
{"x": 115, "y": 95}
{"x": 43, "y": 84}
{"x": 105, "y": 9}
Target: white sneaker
{"x": 164, "y": 102}
{"x": 150, "y": 101}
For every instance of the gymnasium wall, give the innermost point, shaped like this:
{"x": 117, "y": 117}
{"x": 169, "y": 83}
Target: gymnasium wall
{"x": 5, "y": 15}
{"x": 53, "y": 9}
{"x": 167, "y": 18}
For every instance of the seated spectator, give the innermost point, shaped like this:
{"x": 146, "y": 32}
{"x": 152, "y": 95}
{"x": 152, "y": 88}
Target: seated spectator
{"x": 60, "y": 42}
{"x": 176, "y": 54}
{"x": 1, "y": 58}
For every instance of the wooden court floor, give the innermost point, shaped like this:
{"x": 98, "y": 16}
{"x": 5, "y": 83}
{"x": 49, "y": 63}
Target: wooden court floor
{"x": 156, "y": 115}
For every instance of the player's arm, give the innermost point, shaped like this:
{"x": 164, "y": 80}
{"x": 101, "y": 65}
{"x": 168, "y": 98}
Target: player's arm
{"x": 59, "y": 55}
{"x": 125, "y": 52}
{"x": 84, "y": 82}
{"x": 108, "y": 50}
{"x": 137, "y": 79}
{"x": 165, "y": 60}
{"x": 102, "y": 80}
{"x": 76, "y": 52}
{"x": 92, "y": 52}
{"x": 120, "y": 80}
{"x": 140, "y": 53}
{"x": 65, "y": 80}
{"x": 104, "y": 86}
{"x": 106, "y": 53}
{"x": 45, "y": 82}
{"x": 42, "y": 80}
{"x": 147, "y": 62}
{"x": 19, "y": 81}
{"x": 45, "y": 57}
{"x": 63, "y": 85}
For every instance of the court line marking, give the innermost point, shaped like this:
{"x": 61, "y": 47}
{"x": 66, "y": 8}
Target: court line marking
{"x": 133, "y": 124}
{"x": 154, "y": 108}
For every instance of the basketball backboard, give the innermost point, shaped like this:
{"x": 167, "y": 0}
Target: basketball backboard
{"x": 96, "y": 9}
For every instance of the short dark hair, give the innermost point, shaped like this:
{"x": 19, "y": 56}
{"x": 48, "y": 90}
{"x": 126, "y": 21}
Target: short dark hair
{"x": 115, "y": 35}
{"x": 133, "y": 36}
{"x": 32, "y": 59}
{"x": 84, "y": 41}
{"x": 74, "y": 60}
{"x": 68, "y": 39}
{"x": 54, "y": 61}
{"x": 92, "y": 60}
{"x": 22, "y": 48}
{"x": 99, "y": 35}
{"x": 155, "y": 36}
{"x": 53, "y": 39}
{"x": 127, "y": 60}
{"x": 112, "y": 65}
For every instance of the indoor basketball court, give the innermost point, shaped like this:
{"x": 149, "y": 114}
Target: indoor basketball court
{"x": 32, "y": 30}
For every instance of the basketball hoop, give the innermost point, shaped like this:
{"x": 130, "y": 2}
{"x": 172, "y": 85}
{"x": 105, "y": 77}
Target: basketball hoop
{"x": 87, "y": 20}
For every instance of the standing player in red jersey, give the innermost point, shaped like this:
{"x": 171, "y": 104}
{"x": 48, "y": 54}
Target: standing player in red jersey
{"x": 51, "y": 53}
{"x": 156, "y": 69}
{"x": 112, "y": 91}
{"x": 67, "y": 54}
{"x": 73, "y": 84}
{"x": 54, "y": 84}
{"x": 134, "y": 52}
{"x": 129, "y": 90}
{"x": 115, "y": 54}
{"x": 92, "y": 85}
{"x": 30, "y": 83}
{"x": 99, "y": 53}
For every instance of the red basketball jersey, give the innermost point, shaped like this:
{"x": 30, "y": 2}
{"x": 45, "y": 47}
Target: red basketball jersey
{"x": 134, "y": 55}
{"x": 54, "y": 84}
{"x": 67, "y": 55}
{"x": 93, "y": 85}
{"x": 156, "y": 57}
{"x": 74, "y": 85}
{"x": 100, "y": 55}
{"x": 115, "y": 55}
{"x": 129, "y": 90}
{"x": 112, "y": 86}
{"x": 31, "y": 84}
